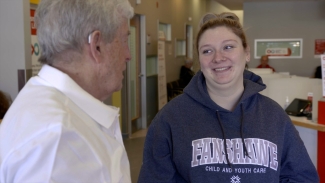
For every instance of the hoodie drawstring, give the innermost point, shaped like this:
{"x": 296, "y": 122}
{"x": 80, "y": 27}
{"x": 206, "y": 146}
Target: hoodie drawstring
{"x": 241, "y": 131}
{"x": 241, "y": 135}
{"x": 224, "y": 139}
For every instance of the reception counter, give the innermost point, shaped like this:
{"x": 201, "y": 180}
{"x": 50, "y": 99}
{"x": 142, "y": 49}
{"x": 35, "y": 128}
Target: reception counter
{"x": 303, "y": 122}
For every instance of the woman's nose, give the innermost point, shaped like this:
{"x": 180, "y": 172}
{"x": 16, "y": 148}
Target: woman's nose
{"x": 219, "y": 57}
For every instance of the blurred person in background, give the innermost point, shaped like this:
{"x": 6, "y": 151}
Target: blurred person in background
{"x": 318, "y": 72}
{"x": 265, "y": 63}
{"x": 186, "y": 73}
{"x": 4, "y": 104}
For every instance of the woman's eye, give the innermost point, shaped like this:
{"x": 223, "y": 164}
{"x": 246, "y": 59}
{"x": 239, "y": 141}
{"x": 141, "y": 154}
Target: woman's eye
{"x": 228, "y": 47}
{"x": 206, "y": 51}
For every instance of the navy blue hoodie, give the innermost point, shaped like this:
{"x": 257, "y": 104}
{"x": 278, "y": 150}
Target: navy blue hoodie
{"x": 188, "y": 138}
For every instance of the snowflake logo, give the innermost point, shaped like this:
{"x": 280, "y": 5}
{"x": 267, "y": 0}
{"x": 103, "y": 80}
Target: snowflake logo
{"x": 235, "y": 179}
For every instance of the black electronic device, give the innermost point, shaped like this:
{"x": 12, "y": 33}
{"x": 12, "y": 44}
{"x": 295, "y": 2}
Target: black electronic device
{"x": 298, "y": 107}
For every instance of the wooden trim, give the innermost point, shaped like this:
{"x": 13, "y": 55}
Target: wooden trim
{"x": 301, "y": 121}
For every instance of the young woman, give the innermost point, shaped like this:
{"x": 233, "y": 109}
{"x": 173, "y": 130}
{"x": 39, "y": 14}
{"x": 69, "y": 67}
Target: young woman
{"x": 221, "y": 129}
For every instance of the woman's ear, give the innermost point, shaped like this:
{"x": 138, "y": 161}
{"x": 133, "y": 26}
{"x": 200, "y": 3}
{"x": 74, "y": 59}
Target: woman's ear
{"x": 248, "y": 54}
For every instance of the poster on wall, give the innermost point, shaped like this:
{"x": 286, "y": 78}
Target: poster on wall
{"x": 35, "y": 49}
{"x": 162, "y": 88}
{"x": 278, "y": 48}
{"x": 319, "y": 47}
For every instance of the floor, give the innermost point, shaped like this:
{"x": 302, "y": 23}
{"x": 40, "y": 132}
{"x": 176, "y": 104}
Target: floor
{"x": 134, "y": 149}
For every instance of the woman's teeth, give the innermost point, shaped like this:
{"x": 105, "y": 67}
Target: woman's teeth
{"x": 221, "y": 69}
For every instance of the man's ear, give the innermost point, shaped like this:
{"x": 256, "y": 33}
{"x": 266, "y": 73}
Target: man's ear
{"x": 94, "y": 41}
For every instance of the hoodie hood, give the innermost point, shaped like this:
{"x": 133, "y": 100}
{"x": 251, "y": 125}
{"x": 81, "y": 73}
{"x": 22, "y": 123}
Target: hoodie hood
{"x": 197, "y": 89}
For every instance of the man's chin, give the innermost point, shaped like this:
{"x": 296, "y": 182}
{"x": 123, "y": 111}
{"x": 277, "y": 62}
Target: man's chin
{"x": 119, "y": 88}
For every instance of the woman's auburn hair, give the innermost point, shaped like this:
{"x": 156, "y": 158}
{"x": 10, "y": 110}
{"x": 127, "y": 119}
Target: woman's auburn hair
{"x": 227, "y": 19}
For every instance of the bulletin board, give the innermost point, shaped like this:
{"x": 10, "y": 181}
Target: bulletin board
{"x": 278, "y": 48}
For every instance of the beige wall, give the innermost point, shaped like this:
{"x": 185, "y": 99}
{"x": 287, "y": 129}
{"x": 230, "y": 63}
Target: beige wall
{"x": 14, "y": 44}
{"x": 284, "y": 20}
{"x": 215, "y": 7}
{"x": 176, "y": 13}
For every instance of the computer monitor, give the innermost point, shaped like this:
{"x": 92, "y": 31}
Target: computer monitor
{"x": 297, "y": 107}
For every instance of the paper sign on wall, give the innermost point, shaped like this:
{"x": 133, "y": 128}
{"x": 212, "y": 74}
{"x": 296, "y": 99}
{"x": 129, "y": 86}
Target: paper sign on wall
{"x": 319, "y": 46}
{"x": 278, "y": 51}
{"x": 35, "y": 49}
{"x": 162, "y": 88}
{"x": 323, "y": 72}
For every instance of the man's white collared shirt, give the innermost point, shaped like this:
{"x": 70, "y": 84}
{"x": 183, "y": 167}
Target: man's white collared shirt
{"x": 57, "y": 132}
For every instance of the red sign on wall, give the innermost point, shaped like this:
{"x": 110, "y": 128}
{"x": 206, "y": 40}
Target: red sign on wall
{"x": 319, "y": 46}
{"x": 32, "y": 23}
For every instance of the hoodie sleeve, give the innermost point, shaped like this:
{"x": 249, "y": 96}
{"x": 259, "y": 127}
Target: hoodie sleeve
{"x": 296, "y": 164}
{"x": 158, "y": 165}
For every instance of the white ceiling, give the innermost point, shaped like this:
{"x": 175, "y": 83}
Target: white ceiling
{"x": 238, "y": 4}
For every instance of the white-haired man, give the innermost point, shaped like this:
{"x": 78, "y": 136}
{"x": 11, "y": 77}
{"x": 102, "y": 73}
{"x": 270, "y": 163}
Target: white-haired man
{"x": 58, "y": 129}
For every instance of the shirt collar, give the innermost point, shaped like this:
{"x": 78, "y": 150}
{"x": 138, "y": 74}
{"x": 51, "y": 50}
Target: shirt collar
{"x": 100, "y": 112}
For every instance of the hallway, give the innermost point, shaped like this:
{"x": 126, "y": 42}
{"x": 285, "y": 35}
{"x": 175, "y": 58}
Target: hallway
{"x": 134, "y": 149}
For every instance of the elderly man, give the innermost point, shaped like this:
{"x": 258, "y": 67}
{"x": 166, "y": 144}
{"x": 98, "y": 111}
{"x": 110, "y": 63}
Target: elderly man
{"x": 58, "y": 129}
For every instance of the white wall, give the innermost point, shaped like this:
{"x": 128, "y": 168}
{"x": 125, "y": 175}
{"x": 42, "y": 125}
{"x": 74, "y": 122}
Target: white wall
{"x": 15, "y": 43}
{"x": 295, "y": 19}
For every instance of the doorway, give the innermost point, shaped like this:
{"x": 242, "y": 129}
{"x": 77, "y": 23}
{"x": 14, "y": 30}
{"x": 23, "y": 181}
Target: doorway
{"x": 133, "y": 94}
{"x": 135, "y": 73}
